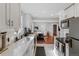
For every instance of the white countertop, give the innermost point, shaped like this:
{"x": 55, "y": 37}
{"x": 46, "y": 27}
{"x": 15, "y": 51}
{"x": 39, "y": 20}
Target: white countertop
{"x": 19, "y": 47}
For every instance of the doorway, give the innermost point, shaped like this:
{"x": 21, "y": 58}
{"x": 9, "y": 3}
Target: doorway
{"x": 54, "y": 30}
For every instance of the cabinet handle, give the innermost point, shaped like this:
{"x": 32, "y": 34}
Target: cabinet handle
{"x": 12, "y": 23}
{"x": 9, "y": 22}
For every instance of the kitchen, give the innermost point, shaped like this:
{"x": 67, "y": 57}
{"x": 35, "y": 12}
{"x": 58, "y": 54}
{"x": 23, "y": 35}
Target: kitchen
{"x": 26, "y": 28}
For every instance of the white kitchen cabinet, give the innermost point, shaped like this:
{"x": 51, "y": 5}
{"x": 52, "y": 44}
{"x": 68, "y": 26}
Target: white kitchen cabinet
{"x": 23, "y": 47}
{"x": 77, "y": 9}
{"x": 13, "y": 15}
{"x": 2, "y": 16}
{"x": 70, "y": 12}
{"x": 10, "y": 16}
{"x": 7, "y": 12}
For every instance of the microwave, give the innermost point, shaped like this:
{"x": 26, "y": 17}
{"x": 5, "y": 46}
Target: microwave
{"x": 65, "y": 24}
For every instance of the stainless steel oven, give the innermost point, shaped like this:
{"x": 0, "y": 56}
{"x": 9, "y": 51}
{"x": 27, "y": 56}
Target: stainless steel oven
{"x": 60, "y": 44}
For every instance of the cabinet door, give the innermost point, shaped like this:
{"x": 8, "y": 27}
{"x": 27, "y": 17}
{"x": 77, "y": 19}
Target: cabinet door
{"x": 8, "y": 14}
{"x": 70, "y": 12}
{"x": 2, "y": 16}
{"x": 77, "y": 9}
{"x": 15, "y": 17}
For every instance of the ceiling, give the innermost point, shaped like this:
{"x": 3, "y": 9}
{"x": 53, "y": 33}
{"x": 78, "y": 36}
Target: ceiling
{"x": 43, "y": 10}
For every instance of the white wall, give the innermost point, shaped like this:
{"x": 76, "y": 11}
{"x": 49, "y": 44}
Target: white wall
{"x": 45, "y": 24}
{"x": 45, "y": 27}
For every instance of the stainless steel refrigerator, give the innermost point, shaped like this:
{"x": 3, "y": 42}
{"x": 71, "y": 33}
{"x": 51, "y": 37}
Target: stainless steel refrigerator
{"x": 74, "y": 36}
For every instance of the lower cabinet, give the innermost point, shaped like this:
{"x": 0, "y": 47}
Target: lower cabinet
{"x": 30, "y": 50}
{"x": 23, "y": 47}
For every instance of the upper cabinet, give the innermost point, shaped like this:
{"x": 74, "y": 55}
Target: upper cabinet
{"x": 2, "y": 16}
{"x": 70, "y": 11}
{"x": 15, "y": 16}
{"x": 77, "y": 9}
{"x": 10, "y": 16}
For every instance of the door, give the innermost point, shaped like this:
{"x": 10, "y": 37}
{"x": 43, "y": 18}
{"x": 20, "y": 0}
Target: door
{"x": 54, "y": 30}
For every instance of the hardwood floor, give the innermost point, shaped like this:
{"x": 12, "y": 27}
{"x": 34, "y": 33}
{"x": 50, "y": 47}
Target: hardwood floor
{"x": 47, "y": 40}
{"x": 41, "y": 41}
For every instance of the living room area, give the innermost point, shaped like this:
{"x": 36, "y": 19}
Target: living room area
{"x": 46, "y": 31}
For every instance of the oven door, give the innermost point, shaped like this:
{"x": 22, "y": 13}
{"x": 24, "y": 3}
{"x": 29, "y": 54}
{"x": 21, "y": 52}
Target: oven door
{"x": 57, "y": 45}
{"x": 63, "y": 49}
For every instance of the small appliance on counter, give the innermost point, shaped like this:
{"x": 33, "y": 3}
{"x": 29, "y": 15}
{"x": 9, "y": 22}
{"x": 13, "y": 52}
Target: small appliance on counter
{"x": 27, "y": 31}
{"x": 16, "y": 36}
{"x": 3, "y": 40}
